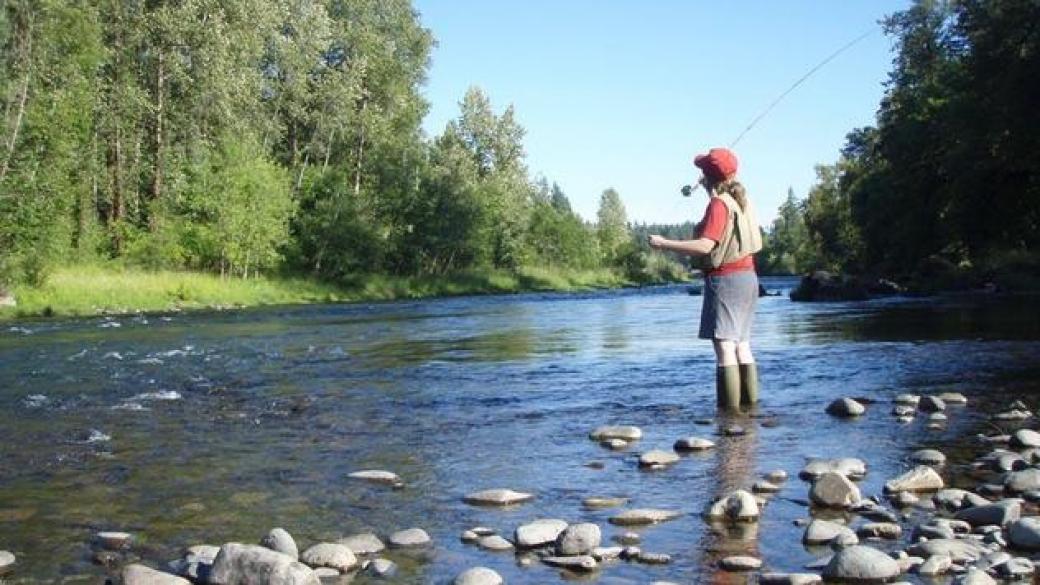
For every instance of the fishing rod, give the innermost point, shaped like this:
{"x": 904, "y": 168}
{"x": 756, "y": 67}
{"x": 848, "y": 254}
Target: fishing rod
{"x": 688, "y": 190}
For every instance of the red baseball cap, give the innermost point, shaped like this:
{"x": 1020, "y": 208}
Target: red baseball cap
{"x": 719, "y": 164}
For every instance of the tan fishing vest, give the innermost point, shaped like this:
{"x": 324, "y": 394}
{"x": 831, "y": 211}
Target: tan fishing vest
{"x": 740, "y": 238}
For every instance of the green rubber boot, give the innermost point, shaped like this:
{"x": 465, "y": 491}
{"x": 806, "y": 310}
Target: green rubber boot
{"x": 748, "y": 384}
{"x": 727, "y": 387}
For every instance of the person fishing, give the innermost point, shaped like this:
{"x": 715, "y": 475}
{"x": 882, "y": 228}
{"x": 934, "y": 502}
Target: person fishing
{"x": 723, "y": 247}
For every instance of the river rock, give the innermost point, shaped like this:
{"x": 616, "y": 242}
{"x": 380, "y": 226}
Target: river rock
{"x": 539, "y": 533}
{"x": 279, "y": 540}
{"x": 959, "y": 550}
{"x": 378, "y": 476}
{"x": 653, "y": 558}
{"x": 789, "y": 579}
{"x": 137, "y": 574}
{"x": 381, "y": 569}
{"x": 738, "y": 506}
{"x": 114, "y": 540}
{"x": 1016, "y": 569}
{"x": 824, "y": 531}
{"x": 410, "y": 538}
{"x": 740, "y": 563}
{"x": 885, "y": 530}
{"x": 615, "y": 444}
{"x": 244, "y": 564}
{"x": 331, "y": 555}
{"x": 776, "y": 476}
{"x": 850, "y": 467}
{"x": 693, "y": 444}
{"x": 625, "y": 433}
{"x": 7, "y": 561}
{"x": 497, "y": 497}
{"x": 765, "y": 487}
{"x": 919, "y": 479}
{"x": 845, "y": 408}
{"x": 582, "y": 563}
{"x": 1024, "y": 534}
{"x": 902, "y": 410}
{"x": 823, "y": 286}
{"x": 369, "y": 544}
{"x": 596, "y": 503}
{"x": 953, "y": 398}
{"x": 494, "y": 543}
{"x": 861, "y": 564}
{"x": 1005, "y": 461}
{"x": 904, "y": 499}
{"x": 628, "y": 538}
{"x": 907, "y": 399}
{"x": 1026, "y": 480}
{"x": 578, "y": 539}
{"x": 953, "y": 499}
{"x": 327, "y": 574}
{"x": 935, "y": 565}
{"x": 657, "y": 459}
{"x": 928, "y": 457}
{"x": 931, "y": 404}
{"x": 834, "y": 490}
{"x": 643, "y": 516}
{"x": 478, "y": 576}
{"x": 1001, "y": 513}
{"x": 606, "y": 553}
{"x": 1025, "y": 438}
{"x": 975, "y": 577}
{"x": 1013, "y": 415}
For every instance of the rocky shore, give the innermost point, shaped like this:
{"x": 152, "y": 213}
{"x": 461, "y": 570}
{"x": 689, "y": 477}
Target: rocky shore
{"x": 918, "y": 528}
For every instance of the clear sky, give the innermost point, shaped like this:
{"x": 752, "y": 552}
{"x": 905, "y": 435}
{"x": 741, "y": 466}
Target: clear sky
{"x": 622, "y": 93}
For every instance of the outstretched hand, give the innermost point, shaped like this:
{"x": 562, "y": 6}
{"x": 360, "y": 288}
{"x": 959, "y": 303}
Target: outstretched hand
{"x": 656, "y": 242}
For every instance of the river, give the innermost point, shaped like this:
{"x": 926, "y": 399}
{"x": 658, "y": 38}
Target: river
{"x": 213, "y": 427}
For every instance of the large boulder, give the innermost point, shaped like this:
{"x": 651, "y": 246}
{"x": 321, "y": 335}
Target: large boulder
{"x": 1024, "y": 534}
{"x": 578, "y": 539}
{"x": 141, "y": 575}
{"x": 245, "y": 564}
{"x": 279, "y": 540}
{"x": 861, "y": 564}
{"x": 823, "y": 286}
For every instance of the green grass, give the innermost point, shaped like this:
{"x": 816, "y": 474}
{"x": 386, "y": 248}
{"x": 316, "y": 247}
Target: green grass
{"x": 91, "y": 290}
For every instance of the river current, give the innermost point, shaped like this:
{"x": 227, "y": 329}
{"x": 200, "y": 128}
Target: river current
{"x": 218, "y": 426}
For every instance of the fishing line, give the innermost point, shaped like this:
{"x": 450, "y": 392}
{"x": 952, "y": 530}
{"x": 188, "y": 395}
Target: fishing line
{"x": 754, "y": 122}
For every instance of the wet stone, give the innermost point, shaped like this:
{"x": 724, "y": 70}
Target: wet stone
{"x": 903, "y": 410}
{"x": 114, "y": 540}
{"x": 845, "y": 408}
{"x": 596, "y": 503}
{"x": 1001, "y": 513}
{"x": 497, "y": 497}
{"x": 789, "y": 579}
{"x": 931, "y": 404}
{"x": 1024, "y": 534}
{"x": 919, "y": 479}
{"x": 657, "y": 459}
{"x": 332, "y": 555}
{"x": 378, "y": 476}
{"x": 824, "y": 531}
{"x": 693, "y": 444}
{"x": 624, "y": 432}
{"x": 834, "y": 490}
{"x": 628, "y": 538}
{"x": 861, "y": 564}
{"x": 136, "y": 574}
{"x": 607, "y": 553}
{"x": 740, "y": 563}
{"x": 738, "y": 506}
{"x": 243, "y": 563}
{"x": 615, "y": 444}
{"x": 494, "y": 543}
{"x": 776, "y": 476}
{"x": 578, "y": 539}
{"x": 1022, "y": 481}
{"x": 654, "y": 558}
{"x": 539, "y": 533}
{"x": 885, "y": 530}
{"x": 928, "y": 457}
{"x": 765, "y": 487}
{"x": 410, "y": 538}
{"x": 850, "y": 467}
{"x": 575, "y": 563}
{"x": 381, "y": 568}
{"x": 643, "y": 516}
{"x": 369, "y": 544}
{"x": 1025, "y": 438}
{"x": 478, "y": 576}
{"x": 279, "y": 540}
{"x": 953, "y": 398}
{"x": 905, "y": 499}
{"x": 935, "y": 565}
{"x": 907, "y": 399}
{"x": 959, "y": 550}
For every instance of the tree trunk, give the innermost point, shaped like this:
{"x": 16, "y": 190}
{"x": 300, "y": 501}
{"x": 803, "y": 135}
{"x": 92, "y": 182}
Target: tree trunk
{"x": 12, "y": 141}
{"x": 155, "y": 190}
{"x": 360, "y": 149}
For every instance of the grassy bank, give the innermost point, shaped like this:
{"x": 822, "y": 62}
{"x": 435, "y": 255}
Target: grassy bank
{"x": 93, "y": 290}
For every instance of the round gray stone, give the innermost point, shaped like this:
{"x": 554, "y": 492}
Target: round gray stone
{"x": 1024, "y": 534}
{"x": 643, "y": 516}
{"x": 623, "y": 432}
{"x": 693, "y": 444}
{"x": 494, "y": 543}
{"x": 824, "y": 531}
{"x": 861, "y": 564}
{"x": 834, "y": 490}
{"x": 378, "y": 476}
{"x": 410, "y": 538}
{"x": 1001, "y": 513}
{"x": 657, "y": 459}
{"x": 1025, "y": 438}
{"x": 539, "y": 533}
{"x": 279, "y": 540}
{"x": 363, "y": 544}
{"x": 7, "y": 561}
{"x": 578, "y": 539}
{"x": 928, "y": 457}
{"x": 331, "y": 555}
{"x": 497, "y": 497}
{"x": 478, "y": 576}
{"x": 845, "y": 407}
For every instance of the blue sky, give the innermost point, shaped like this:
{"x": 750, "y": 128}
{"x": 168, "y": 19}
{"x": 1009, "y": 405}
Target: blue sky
{"x": 622, "y": 94}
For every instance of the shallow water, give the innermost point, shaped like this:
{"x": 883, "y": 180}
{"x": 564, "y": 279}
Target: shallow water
{"x": 212, "y": 427}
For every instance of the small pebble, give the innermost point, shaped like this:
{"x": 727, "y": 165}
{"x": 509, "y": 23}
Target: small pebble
{"x": 740, "y": 563}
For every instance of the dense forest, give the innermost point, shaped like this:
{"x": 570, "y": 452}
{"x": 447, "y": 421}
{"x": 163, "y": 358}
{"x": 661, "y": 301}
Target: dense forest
{"x": 264, "y": 136}
{"x": 948, "y": 180}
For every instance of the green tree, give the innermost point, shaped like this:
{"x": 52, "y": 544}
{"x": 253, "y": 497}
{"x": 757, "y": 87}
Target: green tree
{"x": 612, "y": 225}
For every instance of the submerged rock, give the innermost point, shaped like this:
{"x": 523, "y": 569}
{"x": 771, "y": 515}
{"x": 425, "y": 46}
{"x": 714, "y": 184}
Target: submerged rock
{"x": 1001, "y": 513}
{"x": 824, "y": 531}
{"x": 574, "y": 563}
{"x": 850, "y": 467}
{"x": 114, "y": 540}
{"x": 861, "y": 564}
{"x": 410, "y": 538}
{"x": 578, "y": 539}
{"x": 624, "y": 432}
{"x": 1024, "y": 534}
{"x": 693, "y": 444}
{"x": 738, "y": 506}
{"x": 279, "y": 540}
{"x": 478, "y": 576}
{"x": 928, "y": 457}
{"x": 740, "y": 563}
{"x": 960, "y": 551}
{"x": 789, "y": 579}
{"x": 238, "y": 564}
{"x": 597, "y": 503}
{"x": 495, "y": 543}
{"x": 378, "y": 476}
{"x": 643, "y": 516}
{"x": 497, "y": 497}
{"x": 657, "y": 459}
{"x": 363, "y": 544}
